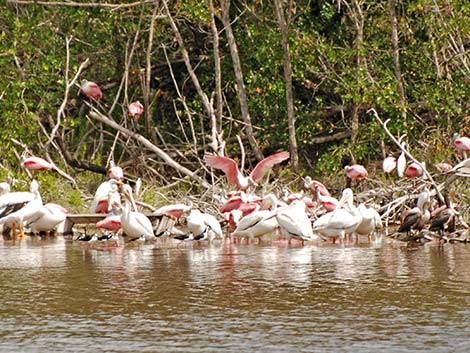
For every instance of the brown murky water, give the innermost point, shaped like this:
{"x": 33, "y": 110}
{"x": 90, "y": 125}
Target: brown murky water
{"x": 57, "y": 295}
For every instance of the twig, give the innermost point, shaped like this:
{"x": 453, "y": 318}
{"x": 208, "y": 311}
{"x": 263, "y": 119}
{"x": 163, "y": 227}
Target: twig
{"x": 407, "y": 153}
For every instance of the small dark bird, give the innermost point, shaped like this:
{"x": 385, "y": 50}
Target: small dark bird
{"x": 417, "y": 217}
{"x": 444, "y": 219}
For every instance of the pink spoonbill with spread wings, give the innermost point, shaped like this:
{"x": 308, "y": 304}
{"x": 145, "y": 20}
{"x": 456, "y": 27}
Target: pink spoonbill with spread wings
{"x": 235, "y": 177}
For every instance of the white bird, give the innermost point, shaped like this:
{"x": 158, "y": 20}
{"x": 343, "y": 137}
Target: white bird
{"x": 256, "y": 224}
{"x": 19, "y": 207}
{"x": 133, "y": 223}
{"x": 203, "y": 226}
{"x": 53, "y": 214}
{"x": 4, "y": 188}
{"x": 106, "y": 197}
{"x": 341, "y": 221}
{"x": 370, "y": 220}
{"x": 294, "y": 221}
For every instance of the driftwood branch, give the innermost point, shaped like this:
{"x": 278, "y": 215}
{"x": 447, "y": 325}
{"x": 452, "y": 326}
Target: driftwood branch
{"x": 95, "y": 114}
{"x": 408, "y": 154}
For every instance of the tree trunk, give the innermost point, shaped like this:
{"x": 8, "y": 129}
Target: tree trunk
{"x": 294, "y": 156}
{"x": 239, "y": 77}
{"x": 396, "y": 59}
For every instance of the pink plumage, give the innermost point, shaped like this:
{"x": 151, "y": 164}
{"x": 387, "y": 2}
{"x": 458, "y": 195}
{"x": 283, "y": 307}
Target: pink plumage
{"x": 111, "y": 223}
{"x": 135, "y": 109}
{"x": 175, "y": 210}
{"x": 91, "y": 89}
{"x": 116, "y": 173}
{"x": 462, "y": 143}
{"x": 355, "y": 171}
{"x": 37, "y": 163}
{"x": 235, "y": 177}
{"x": 413, "y": 170}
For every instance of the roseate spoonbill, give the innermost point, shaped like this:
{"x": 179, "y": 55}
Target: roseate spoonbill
{"x": 444, "y": 219}
{"x": 341, "y": 221}
{"x": 355, "y": 171}
{"x": 53, "y": 214}
{"x": 413, "y": 170}
{"x": 203, "y": 226}
{"x": 174, "y": 210}
{"x": 37, "y": 163}
{"x": 106, "y": 197}
{"x": 462, "y": 144}
{"x": 115, "y": 172}
{"x": 19, "y": 207}
{"x": 443, "y": 167}
{"x": 135, "y": 110}
{"x": 389, "y": 164}
{"x": 417, "y": 217}
{"x": 370, "y": 220}
{"x": 313, "y": 185}
{"x": 235, "y": 177}
{"x": 329, "y": 203}
{"x": 91, "y": 89}
{"x": 294, "y": 221}
{"x": 134, "y": 223}
{"x": 309, "y": 203}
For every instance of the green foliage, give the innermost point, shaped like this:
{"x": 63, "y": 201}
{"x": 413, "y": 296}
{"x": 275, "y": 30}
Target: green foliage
{"x": 330, "y": 71}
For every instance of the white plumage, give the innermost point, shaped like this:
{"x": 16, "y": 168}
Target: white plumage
{"x": 294, "y": 221}
{"x": 19, "y": 207}
{"x": 203, "y": 226}
{"x": 134, "y": 224}
{"x": 341, "y": 221}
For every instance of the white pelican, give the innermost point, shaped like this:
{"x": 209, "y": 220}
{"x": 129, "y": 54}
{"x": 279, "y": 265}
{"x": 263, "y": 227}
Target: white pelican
{"x": 134, "y": 224}
{"x": 341, "y": 221}
{"x": 294, "y": 222}
{"x": 417, "y": 217}
{"x": 256, "y": 224}
{"x": 53, "y": 214}
{"x": 370, "y": 220}
{"x": 19, "y": 207}
{"x": 235, "y": 177}
{"x": 203, "y": 226}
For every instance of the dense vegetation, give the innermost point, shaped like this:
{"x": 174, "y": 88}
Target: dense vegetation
{"x": 408, "y": 60}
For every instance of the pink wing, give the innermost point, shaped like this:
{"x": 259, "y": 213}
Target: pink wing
{"x": 227, "y": 165}
{"x": 36, "y": 163}
{"x": 263, "y": 166}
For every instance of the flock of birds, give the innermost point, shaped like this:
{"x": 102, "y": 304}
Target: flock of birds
{"x": 305, "y": 216}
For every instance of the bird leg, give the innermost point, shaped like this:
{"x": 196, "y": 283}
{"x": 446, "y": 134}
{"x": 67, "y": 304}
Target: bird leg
{"x": 13, "y": 230}
{"x": 21, "y": 227}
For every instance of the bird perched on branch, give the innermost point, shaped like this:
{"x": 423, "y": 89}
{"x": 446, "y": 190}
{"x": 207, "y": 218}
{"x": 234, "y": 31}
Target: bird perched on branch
{"x": 91, "y": 90}
{"x": 37, "y": 163}
{"x": 462, "y": 144}
{"x": 234, "y": 175}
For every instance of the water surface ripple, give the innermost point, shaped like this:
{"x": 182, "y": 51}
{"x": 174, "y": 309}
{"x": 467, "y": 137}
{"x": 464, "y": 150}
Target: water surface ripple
{"x": 62, "y": 296}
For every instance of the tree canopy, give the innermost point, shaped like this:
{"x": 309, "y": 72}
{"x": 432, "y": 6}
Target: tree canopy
{"x": 212, "y": 77}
